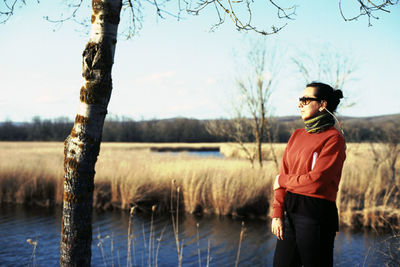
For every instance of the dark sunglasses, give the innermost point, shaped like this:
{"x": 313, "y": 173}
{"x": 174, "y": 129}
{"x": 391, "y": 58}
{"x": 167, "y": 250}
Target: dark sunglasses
{"x": 307, "y": 100}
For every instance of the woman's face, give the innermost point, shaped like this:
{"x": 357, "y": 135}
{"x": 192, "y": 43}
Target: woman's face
{"x": 312, "y": 108}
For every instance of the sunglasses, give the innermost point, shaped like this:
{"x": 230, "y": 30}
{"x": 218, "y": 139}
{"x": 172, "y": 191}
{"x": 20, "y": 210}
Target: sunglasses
{"x": 304, "y": 101}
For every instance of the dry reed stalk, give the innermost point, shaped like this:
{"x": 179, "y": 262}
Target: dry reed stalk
{"x": 208, "y": 253}
{"x": 128, "y": 255}
{"x": 198, "y": 243}
{"x": 180, "y": 256}
{"x": 173, "y": 217}
{"x": 159, "y": 244}
{"x": 240, "y": 244}
{"x": 112, "y": 250}
{"x": 151, "y": 238}
{"x": 33, "y": 256}
{"x": 118, "y": 257}
{"x": 100, "y": 246}
{"x": 144, "y": 237}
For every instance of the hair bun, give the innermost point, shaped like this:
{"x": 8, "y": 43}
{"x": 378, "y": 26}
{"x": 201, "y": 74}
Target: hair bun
{"x": 338, "y": 93}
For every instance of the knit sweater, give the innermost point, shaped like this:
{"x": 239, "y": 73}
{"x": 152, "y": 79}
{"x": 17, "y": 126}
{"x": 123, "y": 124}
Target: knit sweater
{"x": 311, "y": 165}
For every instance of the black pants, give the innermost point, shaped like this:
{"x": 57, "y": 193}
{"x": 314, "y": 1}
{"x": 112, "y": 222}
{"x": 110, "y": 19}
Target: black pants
{"x": 306, "y": 242}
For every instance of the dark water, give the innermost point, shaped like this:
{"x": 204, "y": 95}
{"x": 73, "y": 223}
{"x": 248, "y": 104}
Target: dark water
{"x": 218, "y": 235}
{"x": 214, "y": 154}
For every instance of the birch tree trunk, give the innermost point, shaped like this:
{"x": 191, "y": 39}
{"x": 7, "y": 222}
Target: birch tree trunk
{"x": 82, "y": 146}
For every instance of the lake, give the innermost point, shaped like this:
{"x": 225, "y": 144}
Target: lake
{"x": 214, "y": 154}
{"x": 195, "y": 153}
{"x": 216, "y": 240}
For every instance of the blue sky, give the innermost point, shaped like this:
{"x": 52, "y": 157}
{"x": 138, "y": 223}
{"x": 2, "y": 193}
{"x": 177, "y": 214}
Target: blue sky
{"x": 178, "y": 68}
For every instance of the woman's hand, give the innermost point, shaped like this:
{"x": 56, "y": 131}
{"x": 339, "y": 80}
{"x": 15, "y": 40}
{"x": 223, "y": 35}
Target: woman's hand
{"x": 277, "y": 227}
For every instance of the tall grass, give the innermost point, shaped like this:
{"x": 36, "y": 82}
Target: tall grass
{"x": 369, "y": 194}
{"x": 129, "y": 174}
{"x": 31, "y": 173}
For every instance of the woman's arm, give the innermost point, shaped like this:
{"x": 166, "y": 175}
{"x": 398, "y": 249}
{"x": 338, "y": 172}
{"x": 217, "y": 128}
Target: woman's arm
{"x": 279, "y": 191}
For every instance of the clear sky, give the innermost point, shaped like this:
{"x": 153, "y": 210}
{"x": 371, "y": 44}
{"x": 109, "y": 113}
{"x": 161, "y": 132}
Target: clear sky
{"x": 180, "y": 69}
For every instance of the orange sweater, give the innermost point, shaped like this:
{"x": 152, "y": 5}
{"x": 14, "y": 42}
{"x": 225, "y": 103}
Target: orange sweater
{"x": 311, "y": 165}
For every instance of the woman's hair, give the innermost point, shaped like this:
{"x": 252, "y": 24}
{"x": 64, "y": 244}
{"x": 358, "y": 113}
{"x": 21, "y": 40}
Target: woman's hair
{"x": 327, "y": 93}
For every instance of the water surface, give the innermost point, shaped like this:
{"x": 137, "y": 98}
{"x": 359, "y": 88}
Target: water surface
{"x": 216, "y": 240}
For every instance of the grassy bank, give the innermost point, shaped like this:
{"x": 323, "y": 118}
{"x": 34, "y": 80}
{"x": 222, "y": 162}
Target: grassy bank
{"x": 130, "y": 174}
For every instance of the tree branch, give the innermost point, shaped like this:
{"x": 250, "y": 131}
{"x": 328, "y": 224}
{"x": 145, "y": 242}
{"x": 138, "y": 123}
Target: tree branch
{"x": 241, "y": 22}
{"x": 74, "y": 7}
{"x": 8, "y": 9}
{"x": 368, "y": 8}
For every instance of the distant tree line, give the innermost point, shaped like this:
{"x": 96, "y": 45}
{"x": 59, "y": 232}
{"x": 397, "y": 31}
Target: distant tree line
{"x": 371, "y": 129}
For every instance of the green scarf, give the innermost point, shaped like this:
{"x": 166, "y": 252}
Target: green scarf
{"x": 319, "y": 123}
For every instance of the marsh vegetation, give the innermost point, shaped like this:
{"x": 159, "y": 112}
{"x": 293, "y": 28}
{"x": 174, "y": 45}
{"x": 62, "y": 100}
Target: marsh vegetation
{"x": 130, "y": 174}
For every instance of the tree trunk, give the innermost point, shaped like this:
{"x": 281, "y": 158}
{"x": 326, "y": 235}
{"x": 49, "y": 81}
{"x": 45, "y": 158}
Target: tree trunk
{"x": 82, "y": 146}
{"x": 259, "y": 152}
{"x": 257, "y": 128}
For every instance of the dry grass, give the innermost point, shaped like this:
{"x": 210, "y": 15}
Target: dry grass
{"x": 129, "y": 174}
{"x": 31, "y": 173}
{"x": 369, "y": 194}
{"x": 209, "y": 185}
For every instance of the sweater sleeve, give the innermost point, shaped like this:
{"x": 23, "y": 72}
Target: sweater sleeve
{"x": 277, "y": 205}
{"x": 327, "y": 165}
{"x": 279, "y": 193}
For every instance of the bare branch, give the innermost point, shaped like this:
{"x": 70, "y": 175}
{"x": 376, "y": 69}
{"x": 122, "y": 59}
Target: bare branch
{"x": 133, "y": 10}
{"x": 329, "y": 65}
{"x": 221, "y": 20}
{"x": 243, "y": 22}
{"x": 240, "y": 12}
{"x": 281, "y": 10}
{"x": 9, "y": 8}
{"x": 368, "y": 8}
{"x": 160, "y": 9}
{"x": 73, "y": 7}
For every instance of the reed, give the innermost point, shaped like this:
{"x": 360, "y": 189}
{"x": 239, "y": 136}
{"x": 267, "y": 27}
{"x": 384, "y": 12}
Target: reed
{"x": 129, "y": 174}
{"x": 34, "y": 244}
{"x": 198, "y": 243}
{"x": 130, "y": 239}
{"x": 240, "y": 244}
{"x": 100, "y": 243}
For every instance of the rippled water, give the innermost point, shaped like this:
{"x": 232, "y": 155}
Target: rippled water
{"x": 218, "y": 235}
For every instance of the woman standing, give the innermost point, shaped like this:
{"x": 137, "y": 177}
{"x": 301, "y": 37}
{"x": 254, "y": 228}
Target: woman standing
{"x": 305, "y": 217}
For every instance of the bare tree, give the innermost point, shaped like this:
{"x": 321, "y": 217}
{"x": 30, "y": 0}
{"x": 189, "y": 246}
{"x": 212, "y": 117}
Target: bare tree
{"x": 250, "y": 107}
{"x": 328, "y": 65}
{"x": 255, "y": 90}
{"x": 238, "y": 129}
